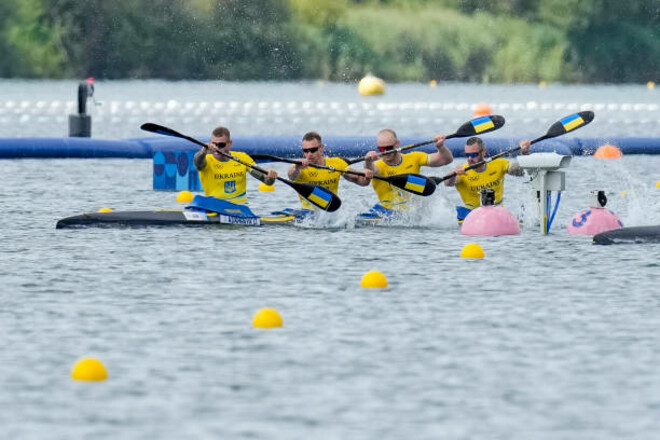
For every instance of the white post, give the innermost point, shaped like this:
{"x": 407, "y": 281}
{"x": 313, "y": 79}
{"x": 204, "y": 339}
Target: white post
{"x": 542, "y": 167}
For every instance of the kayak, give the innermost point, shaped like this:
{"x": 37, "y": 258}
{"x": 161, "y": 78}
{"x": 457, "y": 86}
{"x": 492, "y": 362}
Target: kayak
{"x": 202, "y": 211}
{"x": 631, "y": 235}
{"x": 168, "y": 218}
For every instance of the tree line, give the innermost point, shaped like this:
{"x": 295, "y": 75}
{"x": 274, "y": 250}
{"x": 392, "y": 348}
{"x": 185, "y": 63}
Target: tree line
{"x": 588, "y": 41}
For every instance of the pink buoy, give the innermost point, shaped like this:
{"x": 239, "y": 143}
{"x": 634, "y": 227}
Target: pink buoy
{"x": 490, "y": 220}
{"x": 593, "y": 221}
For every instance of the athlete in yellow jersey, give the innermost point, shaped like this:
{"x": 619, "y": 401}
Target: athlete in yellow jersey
{"x": 305, "y": 172}
{"x": 391, "y": 198}
{"x": 488, "y": 176}
{"x": 224, "y": 178}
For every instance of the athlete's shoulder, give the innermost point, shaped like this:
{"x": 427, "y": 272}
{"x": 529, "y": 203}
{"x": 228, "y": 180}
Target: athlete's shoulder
{"x": 243, "y": 156}
{"x": 499, "y": 163}
{"x": 417, "y": 156}
{"x": 336, "y": 162}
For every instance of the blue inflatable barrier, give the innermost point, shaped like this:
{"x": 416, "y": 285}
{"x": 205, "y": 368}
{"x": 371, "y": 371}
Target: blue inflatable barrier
{"x": 288, "y": 146}
{"x": 73, "y": 147}
{"x": 173, "y": 167}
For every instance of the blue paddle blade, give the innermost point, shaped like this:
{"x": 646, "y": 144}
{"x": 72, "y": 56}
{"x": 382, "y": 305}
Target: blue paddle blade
{"x": 221, "y": 207}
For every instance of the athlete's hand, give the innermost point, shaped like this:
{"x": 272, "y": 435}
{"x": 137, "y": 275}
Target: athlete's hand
{"x": 371, "y": 156}
{"x": 272, "y": 174}
{"x": 525, "y": 145}
{"x": 304, "y": 163}
{"x": 439, "y": 141}
{"x": 460, "y": 171}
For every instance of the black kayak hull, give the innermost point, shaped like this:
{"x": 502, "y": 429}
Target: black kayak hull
{"x": 167, "y": 218}
{"x": 632, "y": 235}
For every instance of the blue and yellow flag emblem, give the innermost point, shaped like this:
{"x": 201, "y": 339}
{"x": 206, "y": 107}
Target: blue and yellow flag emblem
{"x": 482, "y": 124}
{"x": 320, "y": 197}
{"x": 415, "y": 184}
{"x": 572, "y": 121}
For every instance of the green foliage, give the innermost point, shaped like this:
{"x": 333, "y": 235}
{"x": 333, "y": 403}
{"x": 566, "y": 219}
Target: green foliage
{"x": 403, "y": 40}
{"x": 254, "y": 40}
{"x": 447, "y": 45}
{"x": 33, "y": 42}
{"x": 321, "y": 13}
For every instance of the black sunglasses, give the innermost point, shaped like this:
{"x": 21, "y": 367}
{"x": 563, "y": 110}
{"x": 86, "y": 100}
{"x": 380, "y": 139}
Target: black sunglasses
{"x": 311, "y": 150}
{"x": 386, "y": 148}
{"x": 220, "y": 144}
{"x": 472, "y": 155}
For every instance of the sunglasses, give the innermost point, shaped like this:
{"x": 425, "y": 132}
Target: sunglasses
{"x": 311, "y": 150}
{"x": 472, "y": 155}
{"x": 386, "y": 148}
{"x": 220, "y": 144}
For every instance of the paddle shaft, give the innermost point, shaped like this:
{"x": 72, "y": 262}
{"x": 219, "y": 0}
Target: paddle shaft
{"x": 323, "y": 167}
{"x": 305, "y": 190}
{"x": 399, "y": 183}
{"x": 465, "y": 130}
{"x": 488, "y": 159}
{"x": 557, "y": 129}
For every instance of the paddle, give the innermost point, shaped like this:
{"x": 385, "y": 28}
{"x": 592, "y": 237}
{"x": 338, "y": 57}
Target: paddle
{"x": 563, "y": 126}
{"x": 413, "y": 183}
{"x": 317, "y": 195}
{"x": 479, "y": 125}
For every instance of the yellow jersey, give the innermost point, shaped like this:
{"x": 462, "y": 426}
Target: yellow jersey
{"x": 226, "y": 180}
{"x": 470, "y": 184}
{"x": 325, "y": 178}
{"x": 390, "y": 196}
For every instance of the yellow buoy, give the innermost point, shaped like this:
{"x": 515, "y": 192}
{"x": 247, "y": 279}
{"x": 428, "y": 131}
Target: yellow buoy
{"x": 543, "y": 84}
{"x": 374, "y": 279}
{"x": 184, "y": 197}
{"x": 608, "y": 152}
{"x": 481, "y": 109}
{"x": 89, "y": 369}
{"x": 623, "y": 193}
{"x": 371, "y": 85}
{"x": 472, "y": 250}
{"x": 266, "y": 188}
{"x": 105, "y": 210}
{"x": 267, "y": 318}
{"x": 650, "y": 85}
{"x": 433, "y": 83}
{"x": 657, "y": 184}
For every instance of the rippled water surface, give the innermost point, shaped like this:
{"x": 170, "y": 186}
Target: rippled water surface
{"x": 547, "y": 337}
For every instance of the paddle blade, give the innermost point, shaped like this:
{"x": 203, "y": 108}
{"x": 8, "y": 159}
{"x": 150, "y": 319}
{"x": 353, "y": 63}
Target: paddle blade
{"x": 570, "y": 123}
{"x": 159, "y": 129}
{"x": 413, "y": 183}
{"x": 317, "y": 195}
{"x": 480, "y": 125}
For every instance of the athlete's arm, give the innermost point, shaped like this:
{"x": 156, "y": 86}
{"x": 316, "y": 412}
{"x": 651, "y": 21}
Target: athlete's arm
{"x": 514, "y": 168}
{"x": 294, "y": 170}
{"x": 369, "y": 162}
{"x": 199, "y": 160}
{"x": 268, "y": 179}
{"x": 360, "y": 180}
{"x": 453, "y": 179}
{"x": 443, "y": 156}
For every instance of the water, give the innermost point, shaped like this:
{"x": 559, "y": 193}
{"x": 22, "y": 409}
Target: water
{"x": 41, "y": 108}
{"x": 547, "y": 337}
